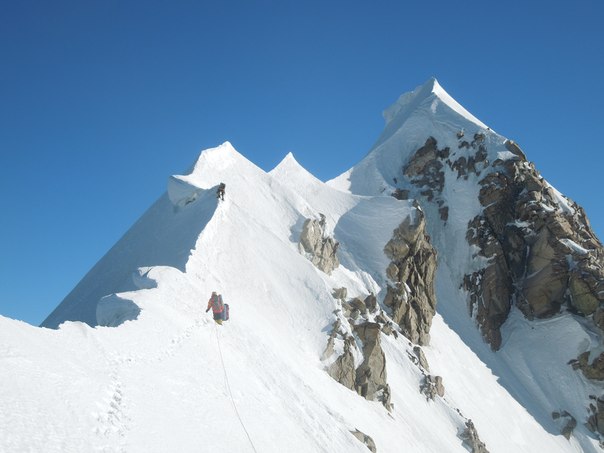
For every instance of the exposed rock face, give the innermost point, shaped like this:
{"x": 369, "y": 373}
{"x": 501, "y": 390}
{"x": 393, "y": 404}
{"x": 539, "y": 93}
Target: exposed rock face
{"x": 541, "y": 250}
{"x": 371, "y": 380}
{"x": 412, "y": 266}
{"x": 425, "y": 169}
{"x": 368, "y": 441}
{"x": 361, "y": 339}
{"x": 471, "y": 440}
{"x": 343, "y": 369}
{"x": 537, "y": 247}
{"x": 322, "y": 250}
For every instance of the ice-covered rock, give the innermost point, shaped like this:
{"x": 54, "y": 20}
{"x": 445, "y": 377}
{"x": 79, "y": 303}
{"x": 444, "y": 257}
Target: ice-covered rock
{"x": 471, "y": 439}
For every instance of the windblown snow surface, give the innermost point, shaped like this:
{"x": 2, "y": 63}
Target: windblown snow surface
{"x": 130, "y": 361}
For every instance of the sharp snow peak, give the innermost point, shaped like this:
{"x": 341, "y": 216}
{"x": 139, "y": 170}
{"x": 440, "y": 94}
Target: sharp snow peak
{"x": 430, "y": 91}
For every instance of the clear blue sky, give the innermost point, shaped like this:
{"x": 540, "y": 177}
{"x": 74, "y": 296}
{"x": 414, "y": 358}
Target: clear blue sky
{"x": 100, "y": 101}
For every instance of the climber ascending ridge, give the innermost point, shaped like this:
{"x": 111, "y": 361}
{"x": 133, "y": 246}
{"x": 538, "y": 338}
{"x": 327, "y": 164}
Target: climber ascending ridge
{"x": 219, "y": 309}
{"x": 220, "y": 191}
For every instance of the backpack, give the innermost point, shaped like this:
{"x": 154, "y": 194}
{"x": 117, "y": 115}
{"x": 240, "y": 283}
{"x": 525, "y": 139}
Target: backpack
{"x": 217, "y": 303}
{"x": 225, "y": 312}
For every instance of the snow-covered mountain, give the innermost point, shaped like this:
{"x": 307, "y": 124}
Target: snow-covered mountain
{"x": 400, "y": 306}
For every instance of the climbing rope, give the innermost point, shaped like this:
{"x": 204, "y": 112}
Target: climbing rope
{"x": 226, "y": 378}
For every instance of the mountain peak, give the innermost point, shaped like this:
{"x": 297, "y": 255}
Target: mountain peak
{"x": 289, "y": 167}
{"x": 288, "y": 161}
{"x": 425, "y": 95}
{"x": 431, "y": 84}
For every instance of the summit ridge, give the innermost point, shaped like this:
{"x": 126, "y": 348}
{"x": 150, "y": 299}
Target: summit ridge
{"x": 439, "y": 295}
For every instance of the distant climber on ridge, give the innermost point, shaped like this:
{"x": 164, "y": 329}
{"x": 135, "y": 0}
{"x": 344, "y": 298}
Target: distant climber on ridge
{"x": 219, "y": 309}
{"x": 220, "y": 191}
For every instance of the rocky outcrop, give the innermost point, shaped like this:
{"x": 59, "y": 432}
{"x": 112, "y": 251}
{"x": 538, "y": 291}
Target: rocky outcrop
{"x": 595, "y": 422}
{"x": 320, "y": 249}
{"x": 566, "y": 422}
{"x": 367, "y": 440}
{"x": 362, "y": 364}
{"x": 593, "y": 370}
{"x": 432, "y": 386}
{"x": 343, "y": 369}
{"x": 471, "y": 440}
{"x": 526, "y": 229}
{"x": 421, "y": 358}
{"x": 541, "y": 251}
{"x": 542, "y": 255}
{"x": 410, "y": 293}
{"x": 425, "y": 169}
{"x": 534, "y": 248}
{"x": 371, "y": 379}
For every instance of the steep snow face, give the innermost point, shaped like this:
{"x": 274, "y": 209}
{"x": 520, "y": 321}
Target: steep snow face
{"x": 532, "y": 363}
{"x": 426, "y": 111}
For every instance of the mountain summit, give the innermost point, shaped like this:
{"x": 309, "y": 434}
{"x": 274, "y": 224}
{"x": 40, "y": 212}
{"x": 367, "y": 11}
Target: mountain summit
{"x": 430, "y": 92}
{"x": 439, "y": 296}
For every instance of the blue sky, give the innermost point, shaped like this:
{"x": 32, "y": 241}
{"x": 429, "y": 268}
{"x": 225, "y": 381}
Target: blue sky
{"x": 101, "y": 101}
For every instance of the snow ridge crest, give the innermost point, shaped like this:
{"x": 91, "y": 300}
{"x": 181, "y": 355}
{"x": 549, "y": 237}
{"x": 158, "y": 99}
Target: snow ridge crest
{"x": 424, "y": 94}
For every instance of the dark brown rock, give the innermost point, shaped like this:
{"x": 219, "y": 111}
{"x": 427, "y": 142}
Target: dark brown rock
{"x": 528, "y": 259}
{"x": 413, "y": 266}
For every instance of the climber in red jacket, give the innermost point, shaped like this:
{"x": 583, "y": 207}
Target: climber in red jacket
{"x": 217, "y": 306}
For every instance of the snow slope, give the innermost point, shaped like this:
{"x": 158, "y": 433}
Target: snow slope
{"x": 136, "y": 365}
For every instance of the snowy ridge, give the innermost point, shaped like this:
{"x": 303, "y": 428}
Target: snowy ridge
{"x": 165, "y": 373}
{"x": 159, "y": 238}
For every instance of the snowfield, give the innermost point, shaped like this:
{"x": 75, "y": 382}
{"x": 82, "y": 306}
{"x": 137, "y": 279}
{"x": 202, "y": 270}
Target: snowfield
{"x": 131, "y": 362}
